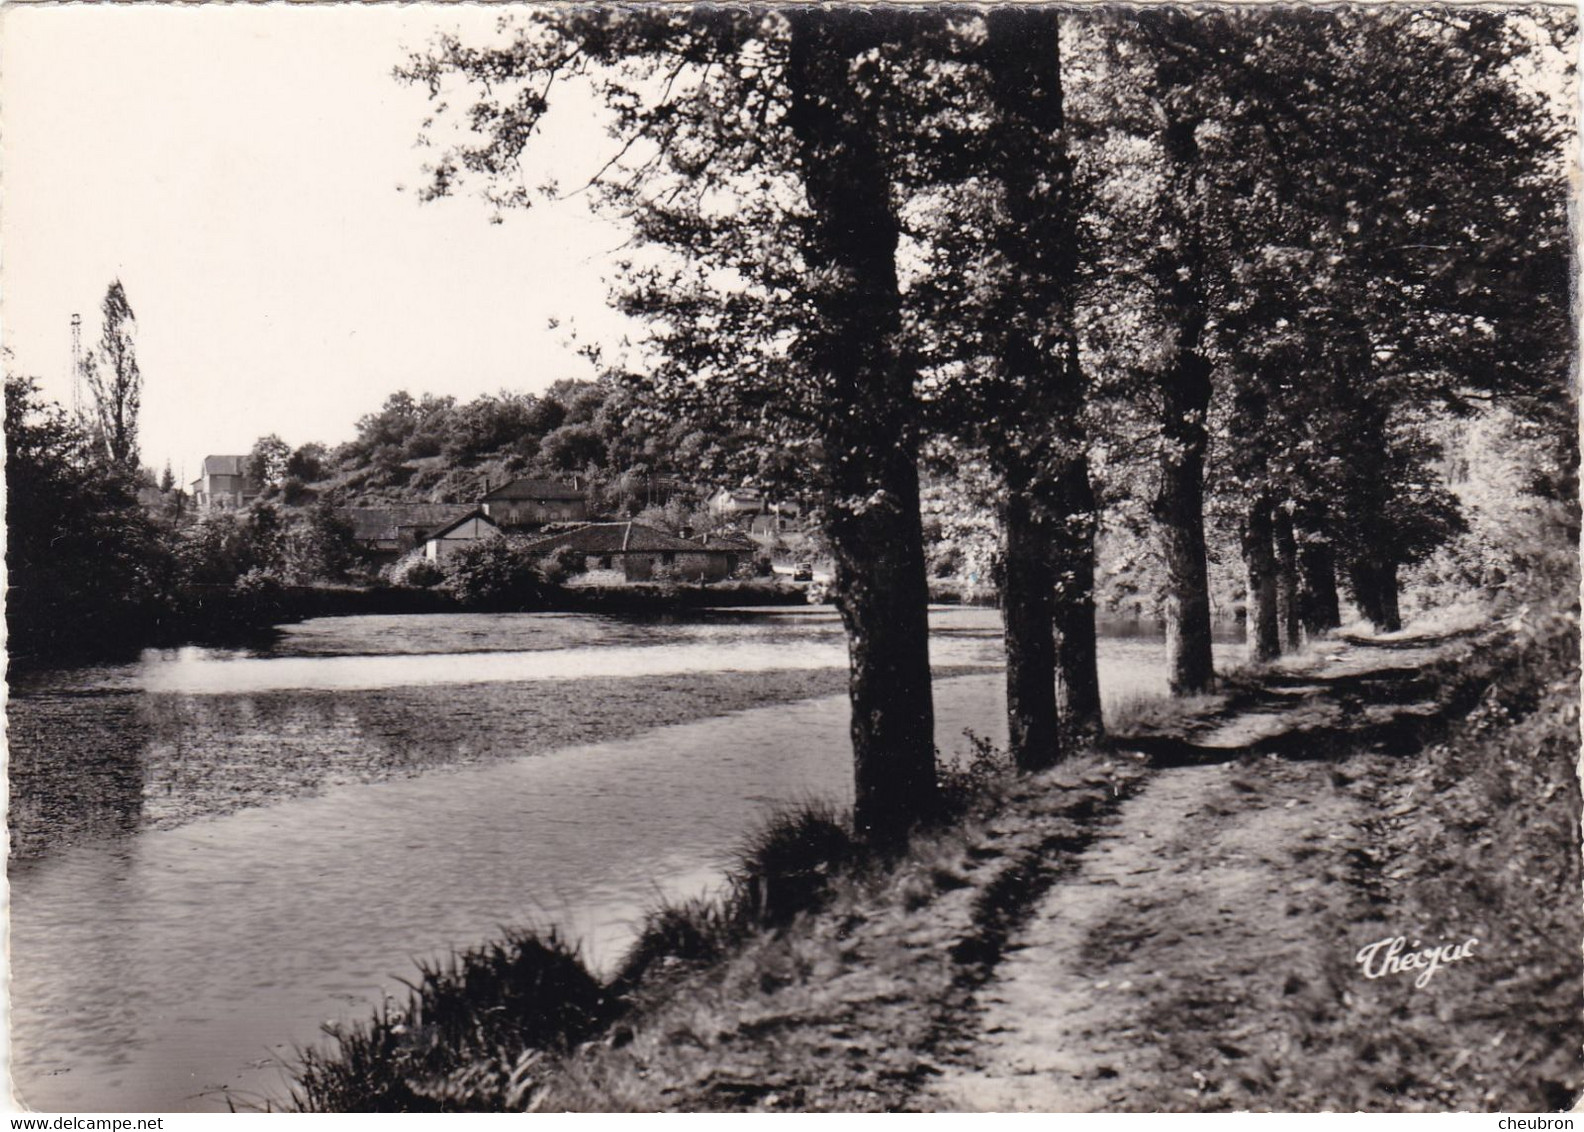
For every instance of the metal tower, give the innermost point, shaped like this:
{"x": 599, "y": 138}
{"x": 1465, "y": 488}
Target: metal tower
{"x": 77, "y": 375}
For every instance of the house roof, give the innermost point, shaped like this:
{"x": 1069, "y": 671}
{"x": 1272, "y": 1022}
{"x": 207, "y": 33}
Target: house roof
{"x": 225, "y": 465}
{"x": 385, "y": 523}
{"x": 616, "y": 538}
{"x": 537, "y": 490}
{"x": 458, "y": 521}
{"x": 728, "y": 540}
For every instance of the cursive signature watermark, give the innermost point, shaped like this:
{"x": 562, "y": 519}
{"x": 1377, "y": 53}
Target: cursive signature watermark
{"x": 1391, "y": 956}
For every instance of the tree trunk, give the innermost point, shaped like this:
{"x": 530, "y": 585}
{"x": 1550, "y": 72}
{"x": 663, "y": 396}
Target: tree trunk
{"x": 1178, "y": 508}
{"x": 1374, "y": 585}
{"x": 1259, "y": 559}
{"x": 1077, "y": 665}
{"x": 1039, "y": 384}
{"x": 1322, "y": 611}
{"x": 1287, "y": 601}
{"x": 871, "y": 428}
{"x": 1391, "y": 611}
{"x": 1185, "y": 402}
{"x": 1027, "y": 608}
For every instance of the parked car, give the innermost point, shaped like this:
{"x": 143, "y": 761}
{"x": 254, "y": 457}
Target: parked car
{"x": 803, "y": 572}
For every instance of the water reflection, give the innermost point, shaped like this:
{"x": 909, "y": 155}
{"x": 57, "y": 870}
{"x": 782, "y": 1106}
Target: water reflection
{"x": 76, "y": 767}
{"x": 220, "y": 940}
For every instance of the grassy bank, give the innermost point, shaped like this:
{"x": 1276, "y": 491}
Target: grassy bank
{"x": 826, "y": 978}
{"x": 1477, "y": 838}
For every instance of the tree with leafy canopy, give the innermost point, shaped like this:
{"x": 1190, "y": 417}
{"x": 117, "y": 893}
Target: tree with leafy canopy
{"x": 114, "y": 379}
{"x": 306, "y": 464}
{"x": 1331, "y": 281}
{"x": 1406, "y": 256}
{"x": 755, "y": 152}
{"x": 1159, "y": 71}
{"x": 267, "y": 462}
{"x": 85, "y": 565}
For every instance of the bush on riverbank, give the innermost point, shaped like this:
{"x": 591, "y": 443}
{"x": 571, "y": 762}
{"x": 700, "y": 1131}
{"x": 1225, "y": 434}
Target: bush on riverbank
{"x": 473, "y": 1031}
{"x": 459, "y": 1043}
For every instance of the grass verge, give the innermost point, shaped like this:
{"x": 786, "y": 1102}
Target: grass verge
{"x": 1480, "y": 838}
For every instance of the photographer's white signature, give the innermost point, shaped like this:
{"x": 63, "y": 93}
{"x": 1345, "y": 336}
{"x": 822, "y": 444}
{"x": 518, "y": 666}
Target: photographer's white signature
{"x": 1386, "y": 957}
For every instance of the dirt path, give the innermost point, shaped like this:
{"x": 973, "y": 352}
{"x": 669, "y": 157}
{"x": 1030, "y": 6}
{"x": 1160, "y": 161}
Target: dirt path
{"x": 1164, "y": 971}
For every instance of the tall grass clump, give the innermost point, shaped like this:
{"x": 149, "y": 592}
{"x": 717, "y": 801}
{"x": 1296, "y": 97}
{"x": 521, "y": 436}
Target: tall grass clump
{"x": 783, "y": 867}
{"x": 466, "y": 1037}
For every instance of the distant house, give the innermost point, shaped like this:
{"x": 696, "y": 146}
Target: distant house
{"x": 638, "y": 551}
{"x": 738, "y": 548}
{"x": 763, "y": 516}
{"x": 464, "y": 530}
{"x": 729, "y": 503}
{"x": 224, "y": 485}
{"x": 780, "y": 517}
{"x": 532, "y": 502}
{"x": 387, "y": 531}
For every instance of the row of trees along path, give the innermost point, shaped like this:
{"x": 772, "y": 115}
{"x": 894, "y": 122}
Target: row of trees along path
{"x": 1234, "y": 264}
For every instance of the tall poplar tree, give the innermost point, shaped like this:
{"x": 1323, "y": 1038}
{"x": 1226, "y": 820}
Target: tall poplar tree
{"x": 114, "y": 379}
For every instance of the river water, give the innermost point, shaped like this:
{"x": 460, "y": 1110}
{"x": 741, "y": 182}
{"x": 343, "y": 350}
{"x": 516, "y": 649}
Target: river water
{"x": 215, "y": 852}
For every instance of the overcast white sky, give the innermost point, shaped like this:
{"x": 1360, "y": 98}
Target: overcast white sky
{"x": 237, "y": 168}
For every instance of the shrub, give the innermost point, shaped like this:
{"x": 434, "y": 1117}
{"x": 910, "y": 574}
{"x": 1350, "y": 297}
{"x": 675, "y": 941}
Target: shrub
{"x": 976, "y": 777}
{"x": 416, "y": 570}
{"x": 461, "y": 1041}
{"x": 560, "y": 564}
{"x": 494, "y": 572}
{"x": 783, "y": 868}
{"x": 260, "y": 595}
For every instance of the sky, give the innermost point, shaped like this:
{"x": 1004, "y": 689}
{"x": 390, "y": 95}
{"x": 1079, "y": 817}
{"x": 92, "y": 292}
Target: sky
{"x": 240, "y": 170}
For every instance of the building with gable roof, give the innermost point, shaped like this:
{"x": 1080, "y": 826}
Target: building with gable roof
{"x": 465, "y": 530}
{"x": 386, "y": 531}
{"x": 640, "y": 551}
{"x": 529, "y": 502}
{"x": 224, "y": 485}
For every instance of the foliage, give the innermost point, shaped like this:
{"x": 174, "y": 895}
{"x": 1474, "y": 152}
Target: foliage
{"x": 560, "y": 564}
{"x": 115, "y": 381}
{"x": 1520, "y": 545}
{"x": 497, "y": 573}
{"x": 306, "y": 464}
{"x": 415, "y": 569}
{"x": 465, "y": 1039}
{"x": 319, "y": 546}
{"x": 295, "y": 545}
{"x": 979, "y": 776}
{"x": 86, "y": 567}
{"x": 267, "y": 463}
